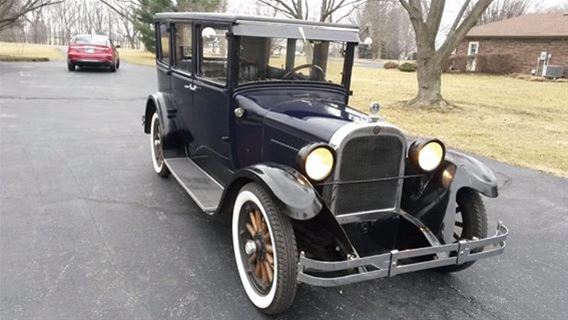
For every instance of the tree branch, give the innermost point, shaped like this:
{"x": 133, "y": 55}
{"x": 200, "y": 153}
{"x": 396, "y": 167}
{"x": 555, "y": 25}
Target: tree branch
{"x": 435, "y": 16}
{"x": 458, "y": 34}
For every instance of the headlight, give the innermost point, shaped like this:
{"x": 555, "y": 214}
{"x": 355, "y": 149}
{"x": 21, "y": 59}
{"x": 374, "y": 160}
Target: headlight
{"x": 316, "y": 161}
{"x": 427, "y": 155}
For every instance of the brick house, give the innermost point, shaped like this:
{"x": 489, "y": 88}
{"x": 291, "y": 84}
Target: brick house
{"x": 524, "y": 38}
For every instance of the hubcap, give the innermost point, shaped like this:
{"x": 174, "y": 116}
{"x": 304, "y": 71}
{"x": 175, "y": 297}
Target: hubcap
{"x": 250, "y": 247}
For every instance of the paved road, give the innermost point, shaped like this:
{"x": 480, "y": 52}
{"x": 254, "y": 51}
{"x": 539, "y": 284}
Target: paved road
{"x": 88, "y": 231}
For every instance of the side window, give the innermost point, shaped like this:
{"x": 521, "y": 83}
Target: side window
{"x": 164, "y": 55}
{"x": 183, "y": 53}
{"x": 213, "y": 62}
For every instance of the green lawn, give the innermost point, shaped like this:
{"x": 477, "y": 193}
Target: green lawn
{"x": 516, "y": 121}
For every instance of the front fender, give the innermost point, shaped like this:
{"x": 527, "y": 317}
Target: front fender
{"x": 287, "y": 185}
{"x": 473, "y": 174}
{"x": 469, "y": 173}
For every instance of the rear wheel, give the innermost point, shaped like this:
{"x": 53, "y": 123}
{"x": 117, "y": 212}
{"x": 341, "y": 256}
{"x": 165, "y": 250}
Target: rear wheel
{"x": 265, "y": 250}
{"x": 113, "y": 67}
{"x": 471, "y": 222}
{"x": 156, "y": 147}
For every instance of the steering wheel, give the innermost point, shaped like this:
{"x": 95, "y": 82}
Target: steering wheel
{"x": 303, "y": 66}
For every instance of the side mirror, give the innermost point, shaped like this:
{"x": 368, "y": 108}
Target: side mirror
{"x": 117, "y": 46}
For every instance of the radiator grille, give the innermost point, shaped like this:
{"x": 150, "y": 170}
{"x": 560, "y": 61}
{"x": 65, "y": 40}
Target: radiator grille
{"x": 365, "y": 158}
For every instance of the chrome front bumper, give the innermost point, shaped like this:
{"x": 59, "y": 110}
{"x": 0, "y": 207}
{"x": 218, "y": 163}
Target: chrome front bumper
{"x": 398, "y": 262}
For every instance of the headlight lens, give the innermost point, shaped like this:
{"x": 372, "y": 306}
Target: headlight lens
{"x": 428, "y": 155}
{"x": 317, "y": 161}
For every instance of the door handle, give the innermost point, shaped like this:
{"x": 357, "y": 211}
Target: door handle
{"x": 191, "y": 87}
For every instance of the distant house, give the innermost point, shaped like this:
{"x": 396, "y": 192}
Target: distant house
{"x": 532, "y": 41}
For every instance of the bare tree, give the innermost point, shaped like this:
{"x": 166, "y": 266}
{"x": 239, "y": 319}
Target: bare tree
{"x": 505, "y": 9}
{"x": 426, "y": 20}
{"x": 300, "y": 9}
{"x": 11, "y": 11}
{"x": 388, "y": 25}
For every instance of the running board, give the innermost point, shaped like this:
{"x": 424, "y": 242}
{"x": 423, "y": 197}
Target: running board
{"x": 202, "y": 188}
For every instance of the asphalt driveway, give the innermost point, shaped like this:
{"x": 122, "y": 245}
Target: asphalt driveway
{"x": 88, "y": 231}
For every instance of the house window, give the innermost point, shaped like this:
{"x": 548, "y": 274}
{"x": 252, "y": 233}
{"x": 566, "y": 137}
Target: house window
{"x": 473, "y": 48}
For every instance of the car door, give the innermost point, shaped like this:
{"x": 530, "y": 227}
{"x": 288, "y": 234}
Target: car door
{"x": 183, "y": 86}
{"x": 212, "y": 98}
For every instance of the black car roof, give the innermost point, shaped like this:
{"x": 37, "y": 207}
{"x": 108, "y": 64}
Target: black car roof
{"x": 272, "y": 27}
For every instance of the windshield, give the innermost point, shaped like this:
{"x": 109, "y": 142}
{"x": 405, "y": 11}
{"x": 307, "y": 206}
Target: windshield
{"x": 87, "y": 39}
{"x": 265, "y": 59}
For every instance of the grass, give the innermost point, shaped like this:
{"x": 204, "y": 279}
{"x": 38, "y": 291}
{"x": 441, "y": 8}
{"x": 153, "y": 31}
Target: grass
{"x": 137, "y": 56}
{"x": 516, "y": 121}
{"x": 19, "y": 51}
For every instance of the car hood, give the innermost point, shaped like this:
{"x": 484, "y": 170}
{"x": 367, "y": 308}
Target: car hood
{"x": 313, "y": 113}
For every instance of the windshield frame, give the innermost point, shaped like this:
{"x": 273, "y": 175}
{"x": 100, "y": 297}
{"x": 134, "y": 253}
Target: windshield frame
{"x": 346, "y": 71}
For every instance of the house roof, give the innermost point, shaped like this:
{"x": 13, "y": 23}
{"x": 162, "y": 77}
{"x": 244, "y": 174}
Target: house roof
{"x": 528, "y": 26}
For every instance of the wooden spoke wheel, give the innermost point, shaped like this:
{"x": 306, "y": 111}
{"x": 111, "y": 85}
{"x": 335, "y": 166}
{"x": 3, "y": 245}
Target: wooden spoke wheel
{"x": 470, "y": 223}
{"x": 258, "y": 248}
{"x": 265, "y": 250}
{"x": 156, "y": 147}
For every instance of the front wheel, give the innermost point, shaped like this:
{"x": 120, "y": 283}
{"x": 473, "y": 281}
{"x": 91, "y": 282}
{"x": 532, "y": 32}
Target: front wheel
{"x": 156, "y": 147}
{"x": 70, "y": 66}
{"x": 265, "y": 250}
{"x": 471, "y": 222}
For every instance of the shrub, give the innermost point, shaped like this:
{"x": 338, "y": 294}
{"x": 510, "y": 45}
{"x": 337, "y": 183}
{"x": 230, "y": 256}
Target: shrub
{"x": 485, "y": 63}
{"x": 407, "y": 67}
{"x": 390, "y": 65}
{"x": 495, "y": 63}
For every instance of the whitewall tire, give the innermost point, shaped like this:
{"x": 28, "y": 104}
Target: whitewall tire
{"x": 265, "y": 250}
{"x": 156, "y": 147}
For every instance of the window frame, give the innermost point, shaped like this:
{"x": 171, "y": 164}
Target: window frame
{"x": 346, "y": 71}
{"x": 198, "y": 26}
{"x": 159, "y": 51}
{"x": 174, "y": 65}
{"x": 469, "y": 46}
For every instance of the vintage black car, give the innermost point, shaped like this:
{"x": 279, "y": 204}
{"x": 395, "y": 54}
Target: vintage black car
{"x": 251, "y": 117}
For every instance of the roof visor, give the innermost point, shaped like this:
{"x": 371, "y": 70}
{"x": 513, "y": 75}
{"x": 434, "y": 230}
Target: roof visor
{"x": 294, "y": 31}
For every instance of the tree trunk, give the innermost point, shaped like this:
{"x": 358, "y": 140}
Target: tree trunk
{"x": 429, "y": 85}
{"x": 429, "y": 74}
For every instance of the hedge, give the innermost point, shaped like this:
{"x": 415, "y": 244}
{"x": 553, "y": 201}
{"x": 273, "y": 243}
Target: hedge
{"x": 485, "y": 63}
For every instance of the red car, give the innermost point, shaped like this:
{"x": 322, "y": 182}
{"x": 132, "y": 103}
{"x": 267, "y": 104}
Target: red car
{"x": 92, "y": 50}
